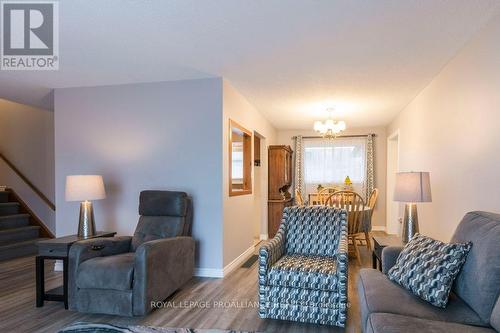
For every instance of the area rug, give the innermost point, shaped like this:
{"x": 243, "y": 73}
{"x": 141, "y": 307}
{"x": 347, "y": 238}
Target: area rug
{"x": 84, "y": 327}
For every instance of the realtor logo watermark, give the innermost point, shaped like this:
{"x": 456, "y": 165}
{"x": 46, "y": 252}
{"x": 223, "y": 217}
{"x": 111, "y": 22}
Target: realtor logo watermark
{"x": 30, "y": 35}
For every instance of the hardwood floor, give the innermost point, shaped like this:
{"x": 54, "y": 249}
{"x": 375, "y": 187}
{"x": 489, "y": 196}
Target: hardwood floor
{"x": 19, "y": 314}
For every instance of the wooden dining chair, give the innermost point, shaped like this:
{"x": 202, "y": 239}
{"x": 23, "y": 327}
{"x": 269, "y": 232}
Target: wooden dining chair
{"x": 323, "y": 194}
{"x": 299, "y": 201}
{"x": 372, "y": 200}
{"x": 355, "y": 206}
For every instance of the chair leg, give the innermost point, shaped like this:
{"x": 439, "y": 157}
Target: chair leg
{"x": 368, "y": 242}
{"x": 356, "y": 250}
{"x": 350, "y": 243}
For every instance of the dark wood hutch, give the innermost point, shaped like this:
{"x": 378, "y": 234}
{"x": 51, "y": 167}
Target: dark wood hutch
{"x": 279, "y": 183}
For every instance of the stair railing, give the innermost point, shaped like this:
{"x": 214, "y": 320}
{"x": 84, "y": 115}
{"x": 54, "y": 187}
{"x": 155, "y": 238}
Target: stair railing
{"x": 28, "y": 182}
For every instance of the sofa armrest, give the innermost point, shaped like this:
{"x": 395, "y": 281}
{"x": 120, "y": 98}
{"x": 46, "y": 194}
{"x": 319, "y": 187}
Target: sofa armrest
{"x": 161, "y": 267}
{"x": 270, "y": 253}
{"x": 389, "y": 257}
{"x": 88, "y": 249}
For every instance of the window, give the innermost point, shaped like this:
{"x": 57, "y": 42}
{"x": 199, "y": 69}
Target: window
{"x": 329, "y": 162}
{"x": 240, "y": 160}
{"x": 237, "y": 166}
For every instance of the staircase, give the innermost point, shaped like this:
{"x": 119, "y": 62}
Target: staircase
{"x": 18, "y": 234}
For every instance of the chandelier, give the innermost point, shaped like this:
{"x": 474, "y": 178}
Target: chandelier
{"x": 329, "y": 128}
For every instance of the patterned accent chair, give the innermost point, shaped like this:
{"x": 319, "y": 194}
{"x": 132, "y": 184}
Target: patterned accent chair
{"x": 303, "y": 269}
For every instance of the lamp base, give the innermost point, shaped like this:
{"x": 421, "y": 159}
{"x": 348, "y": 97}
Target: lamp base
{"x": 86, "y": 225}
{"x": 410, "y": 222}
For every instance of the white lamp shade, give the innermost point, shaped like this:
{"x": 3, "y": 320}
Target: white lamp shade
{"x": 84, "y": 187}
{"x": 413, "y": 187}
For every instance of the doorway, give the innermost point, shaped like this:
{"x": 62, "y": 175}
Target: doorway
{"x": 393, "y": 225}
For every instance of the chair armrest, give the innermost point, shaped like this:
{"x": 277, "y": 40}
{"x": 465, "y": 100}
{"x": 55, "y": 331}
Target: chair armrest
{"x": 269, "y": 254}
{"x": 98, "y": 247}
{"x": 389, "y": 257}
{"x": 92, "y": 248}
{"x": 342, "y": 257}
{"x": 161, "y": 267}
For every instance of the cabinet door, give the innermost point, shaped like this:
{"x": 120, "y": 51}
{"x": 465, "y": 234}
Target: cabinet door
{"x": 289, "y": 171}
{"x": 275, "y": 212}
{"x": 275, "y": 215}
{"x": 286, "y": 166}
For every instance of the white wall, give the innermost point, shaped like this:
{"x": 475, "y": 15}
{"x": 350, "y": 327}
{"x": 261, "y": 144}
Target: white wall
{"x": 380, "y": 147}
{"x": 27, "y": 140}
{"x": 452, "y": 129}
{"x": 239, "y": 211}
{"x": 163, "y": 135}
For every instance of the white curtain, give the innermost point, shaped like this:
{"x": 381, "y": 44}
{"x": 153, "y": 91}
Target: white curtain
{"x": 328, "y": 162}
{"x": 370, "y": 170}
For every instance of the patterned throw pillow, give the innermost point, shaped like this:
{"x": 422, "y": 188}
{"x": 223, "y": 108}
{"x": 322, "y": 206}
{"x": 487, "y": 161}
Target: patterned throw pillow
{"x": 427, "y": 268}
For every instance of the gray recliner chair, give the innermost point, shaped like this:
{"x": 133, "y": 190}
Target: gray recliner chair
{"x": 123, "y": 275}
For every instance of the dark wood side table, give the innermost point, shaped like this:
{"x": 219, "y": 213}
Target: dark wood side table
{"x": 57, "y": 249}
{"x": 379, "y": 242}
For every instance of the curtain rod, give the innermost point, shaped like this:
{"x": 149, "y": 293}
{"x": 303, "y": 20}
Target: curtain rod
{"x": 340, "y": 136}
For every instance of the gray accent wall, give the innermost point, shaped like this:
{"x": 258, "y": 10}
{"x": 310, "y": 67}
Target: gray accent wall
{"x": 165, "y": 135}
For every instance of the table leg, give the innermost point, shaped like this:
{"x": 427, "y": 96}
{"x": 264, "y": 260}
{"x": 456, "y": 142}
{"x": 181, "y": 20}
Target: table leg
{"x": 40, "y": 281}
{"x": 65, "y": 282}
{"x": 374, "y": 260}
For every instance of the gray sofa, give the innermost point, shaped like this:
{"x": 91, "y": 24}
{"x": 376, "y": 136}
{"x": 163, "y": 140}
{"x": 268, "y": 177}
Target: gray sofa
{"x": 123, "y": 275}
{"x": 473, "y": 306}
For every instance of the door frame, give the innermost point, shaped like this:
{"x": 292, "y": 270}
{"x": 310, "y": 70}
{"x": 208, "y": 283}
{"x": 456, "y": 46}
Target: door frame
{"x": 393, "y": 208}
{"x": 263, "y": 179}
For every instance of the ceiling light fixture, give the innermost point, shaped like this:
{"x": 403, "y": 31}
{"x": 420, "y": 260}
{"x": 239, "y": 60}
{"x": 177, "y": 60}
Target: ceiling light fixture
{"x": 330, "y": 128}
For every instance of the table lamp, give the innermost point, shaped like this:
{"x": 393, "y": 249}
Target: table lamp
{"x": 412, "y": 187}
{"x": 85, "y": 188}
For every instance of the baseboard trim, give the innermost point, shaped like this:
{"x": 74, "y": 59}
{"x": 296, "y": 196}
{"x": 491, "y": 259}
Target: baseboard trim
{"x": 238, "y": 261}
{"x": 263, "y": 237}
{"x": 209, "y": 272}
{"x": 378, "y": 228}
{"x": 220, "y": 273}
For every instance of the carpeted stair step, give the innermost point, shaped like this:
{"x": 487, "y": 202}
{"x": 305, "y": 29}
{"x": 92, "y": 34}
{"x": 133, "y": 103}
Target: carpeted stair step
{"x": 4, "y": 196}
{"x": 14, "y": 221}
{"x": 10, "y": 236}
{"x": 19, "y": 249}
{"x": 18, "y": 238}
{"x": 9, "y": 208}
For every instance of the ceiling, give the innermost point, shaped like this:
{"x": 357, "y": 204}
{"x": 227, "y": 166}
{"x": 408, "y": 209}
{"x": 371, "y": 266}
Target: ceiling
{"x": 291, "y": 59}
